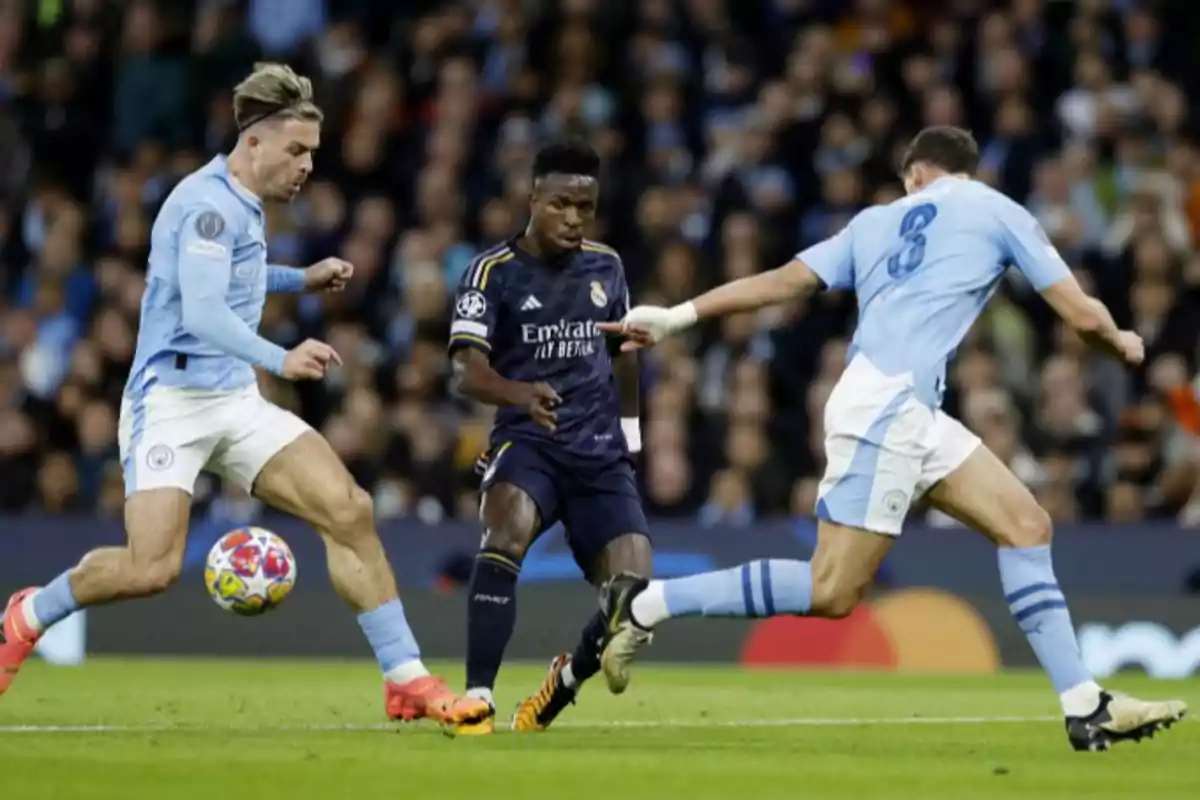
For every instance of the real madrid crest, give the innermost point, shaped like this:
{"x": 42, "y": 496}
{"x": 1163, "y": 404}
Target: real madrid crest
{"x": 599, "y": 298}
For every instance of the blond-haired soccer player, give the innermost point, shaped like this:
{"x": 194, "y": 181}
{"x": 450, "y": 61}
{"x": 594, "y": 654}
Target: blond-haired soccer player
{"x": 192, "y": 403}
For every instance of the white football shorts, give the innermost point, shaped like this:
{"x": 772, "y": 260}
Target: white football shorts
{"x": 168, "y": 435}
{"x": 883, "y": 449}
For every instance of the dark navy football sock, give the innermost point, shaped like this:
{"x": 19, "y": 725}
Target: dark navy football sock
{"x": 491, "y": 615}
{"x": 585, "y": 661}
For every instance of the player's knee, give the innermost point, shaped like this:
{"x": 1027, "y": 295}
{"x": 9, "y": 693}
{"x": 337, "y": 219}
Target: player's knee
{"x": 628, "y": 554}
{"x": 836, "y": 592}
{"x": 1031, "y": 527}
{"x": 351, "y": 513}
{"x": 510, "y": 521}
{"x": 153, "y": 577}
{"x": 835, "y": 601}
{"x": 511, "y": 539}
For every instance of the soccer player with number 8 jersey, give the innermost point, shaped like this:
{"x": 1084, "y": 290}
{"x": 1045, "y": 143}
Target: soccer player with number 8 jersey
{"x": 923, "y": 268}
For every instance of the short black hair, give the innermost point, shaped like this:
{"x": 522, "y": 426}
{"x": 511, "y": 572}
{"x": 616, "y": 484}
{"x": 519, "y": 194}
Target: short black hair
{"x": 950, "y": 148}
{"x": 569, "y": 157}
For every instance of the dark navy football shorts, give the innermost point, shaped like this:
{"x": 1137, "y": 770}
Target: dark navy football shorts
{"x": 596, "y": 502}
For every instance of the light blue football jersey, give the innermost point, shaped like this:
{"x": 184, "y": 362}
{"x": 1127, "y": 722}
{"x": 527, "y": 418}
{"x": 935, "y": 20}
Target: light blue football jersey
{"x": 923, "y": 267}
{"x": 206, "y": 285}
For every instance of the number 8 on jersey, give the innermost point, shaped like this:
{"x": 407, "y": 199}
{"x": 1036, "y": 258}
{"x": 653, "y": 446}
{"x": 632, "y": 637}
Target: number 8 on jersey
{"x": 912, "y": 228}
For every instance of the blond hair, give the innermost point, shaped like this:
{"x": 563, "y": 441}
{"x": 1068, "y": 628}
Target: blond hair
{"x": 273, "y": 90}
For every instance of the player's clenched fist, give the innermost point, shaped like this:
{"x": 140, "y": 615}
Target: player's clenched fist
{"x": 541, "y": 400}
{"x": 331, "y": 275}
{"x": 309, "y": 361}
{"x": 1133, "y": 349}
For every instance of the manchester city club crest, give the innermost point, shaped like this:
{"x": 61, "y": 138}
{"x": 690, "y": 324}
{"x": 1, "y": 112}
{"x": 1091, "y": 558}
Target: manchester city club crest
{"x": 895, "y": 503}
{"x": 160, "y": 457}
{"x": 598, "y": 295}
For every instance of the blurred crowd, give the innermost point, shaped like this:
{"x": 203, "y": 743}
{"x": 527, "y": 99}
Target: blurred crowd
{"x": 734, "y": 132}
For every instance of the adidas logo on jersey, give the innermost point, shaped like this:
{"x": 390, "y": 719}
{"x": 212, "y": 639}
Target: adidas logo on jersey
{"x": 531, "y": 304}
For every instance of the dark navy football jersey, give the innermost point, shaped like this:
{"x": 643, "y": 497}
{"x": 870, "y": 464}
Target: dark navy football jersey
{"x": 537, "y": 321}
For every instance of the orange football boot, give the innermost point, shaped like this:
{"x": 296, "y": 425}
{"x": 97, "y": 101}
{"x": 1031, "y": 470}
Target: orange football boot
{"x": 538, "y": 710}
{"x": 473, "y": 716}
{"x": 427, "y": 697}
{"x": 17, "y": 639}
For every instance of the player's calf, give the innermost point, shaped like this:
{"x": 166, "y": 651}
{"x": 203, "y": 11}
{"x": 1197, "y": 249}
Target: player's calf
{"x": 984, "y": 494}
{"x": 831, "y": 586}
{"x": 306, "y": 479}
{"x": 565, "y": 678}
{"x": 511, "y": 523}
{"x": 156, "y": 527}
{"x": 633, "y": 606}
{"x": 1095, "y": 719}
{"x": 843, "y": 568}
{"x": 584, "y": 662}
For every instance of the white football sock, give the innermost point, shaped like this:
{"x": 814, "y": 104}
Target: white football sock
{"x": 482, "y": 693}
{"x": 650, "y": 607}
{"x": 568, "y": 677}
{"x": 30, "y": 615}
{"x": 1081, "y": 700}
{"x": 409, "y": 670}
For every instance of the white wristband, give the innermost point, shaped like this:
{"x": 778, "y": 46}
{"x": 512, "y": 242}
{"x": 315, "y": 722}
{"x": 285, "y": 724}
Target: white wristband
{"x": 632, "y": 428}
{"x": 682, "y": 316}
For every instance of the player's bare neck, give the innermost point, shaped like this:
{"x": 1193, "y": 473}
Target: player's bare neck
{"x": 238, "y": 162}
{"x": 934, "y": 175}
{"x": 542, "y": 251}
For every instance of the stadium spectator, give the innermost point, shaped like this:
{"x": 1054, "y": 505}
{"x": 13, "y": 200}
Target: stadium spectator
{"x": 733, "y": 134}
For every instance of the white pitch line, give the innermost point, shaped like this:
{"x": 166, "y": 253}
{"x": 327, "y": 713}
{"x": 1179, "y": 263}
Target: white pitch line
{"x": 801, "y": 722}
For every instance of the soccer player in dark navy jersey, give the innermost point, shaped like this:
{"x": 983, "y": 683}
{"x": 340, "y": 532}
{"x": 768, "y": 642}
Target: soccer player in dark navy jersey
{"x": 525, "y": 339}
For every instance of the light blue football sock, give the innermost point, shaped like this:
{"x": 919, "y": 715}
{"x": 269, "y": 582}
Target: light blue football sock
{"x": 55, "y": 601}
{"x": 1032, "y": 593}
{"x": 756, "y": 589}
{"x": 396, "y": 650}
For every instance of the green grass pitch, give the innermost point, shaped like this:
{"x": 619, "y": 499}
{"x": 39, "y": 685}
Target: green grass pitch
{"x": 134, "y": 729}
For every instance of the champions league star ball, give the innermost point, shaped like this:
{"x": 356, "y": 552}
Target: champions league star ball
{"x": 249, "y": 571}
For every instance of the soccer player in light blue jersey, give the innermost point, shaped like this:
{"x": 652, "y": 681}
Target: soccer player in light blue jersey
{"x": 923, "y": 268}
{"x": 192, "y": 402}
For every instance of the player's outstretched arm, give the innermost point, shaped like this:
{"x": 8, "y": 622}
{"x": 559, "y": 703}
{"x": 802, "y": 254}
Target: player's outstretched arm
{"x": 778, "y": 285}
{"x": 285, "y": 280}
{"x": 1037, "y": 258}
{"x": 1092, "y": 320}
{"x": 330, "y": 274}
{"x": 827, "y": 263}
{"x": 646, "y": 325}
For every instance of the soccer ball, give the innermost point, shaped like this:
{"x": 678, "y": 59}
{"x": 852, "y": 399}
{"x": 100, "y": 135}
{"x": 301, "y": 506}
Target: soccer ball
{"x": 249, "y": 571}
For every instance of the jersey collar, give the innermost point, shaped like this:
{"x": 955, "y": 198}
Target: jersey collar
{"x": 525, "y": 257}
{"x": 220, "y": 168}
{"x": 945, "y": 180}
